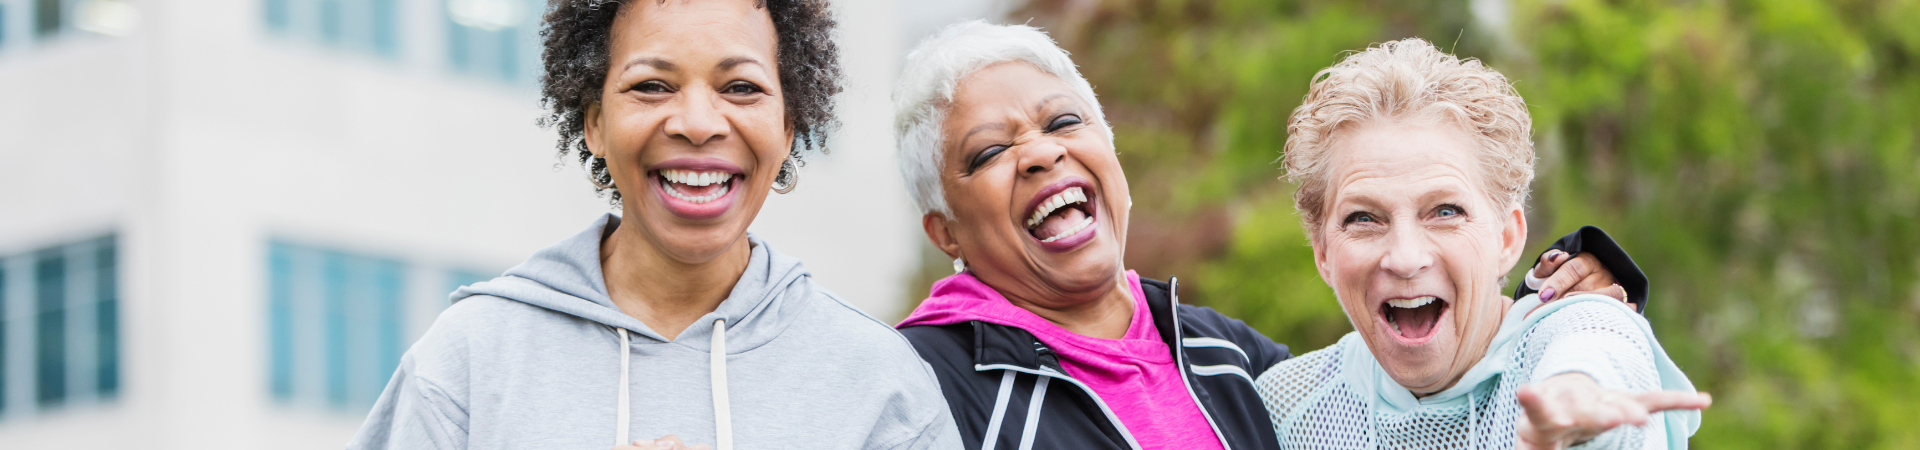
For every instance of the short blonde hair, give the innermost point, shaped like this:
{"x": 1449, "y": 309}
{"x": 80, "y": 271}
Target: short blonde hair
{"x": 1409, "y": 80}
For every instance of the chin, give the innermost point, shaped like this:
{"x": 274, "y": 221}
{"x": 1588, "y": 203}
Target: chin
{"x": 1422, "y": 364}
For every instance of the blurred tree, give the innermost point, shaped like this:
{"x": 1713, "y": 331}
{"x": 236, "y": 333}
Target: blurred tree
{"x": 1758, "y": 158}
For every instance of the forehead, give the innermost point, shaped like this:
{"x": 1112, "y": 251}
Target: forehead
{"x": 728, "y": 26}
{"x": 1005, "y": 88}
{"x": 1401, "y": 155}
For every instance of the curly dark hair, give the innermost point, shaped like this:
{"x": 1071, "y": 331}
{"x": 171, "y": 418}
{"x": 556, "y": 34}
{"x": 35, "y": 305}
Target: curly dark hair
{"x": 576, "y": 35}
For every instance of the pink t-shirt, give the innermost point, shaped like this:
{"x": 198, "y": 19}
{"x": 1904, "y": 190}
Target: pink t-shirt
{"x": 1136, "y": 375}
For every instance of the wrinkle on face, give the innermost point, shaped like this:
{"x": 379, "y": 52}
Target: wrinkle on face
{"x": 1400, "y": 175}
{"x": 1010, "y": 105}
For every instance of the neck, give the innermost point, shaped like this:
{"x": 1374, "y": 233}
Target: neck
{"x": 662, "y": 292}
{"x": 1106, "y": 317}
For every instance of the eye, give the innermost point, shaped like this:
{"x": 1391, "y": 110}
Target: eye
{"x": 741, "y": 88}
{"x": 1448, "y": 211}
{"x": 985, "y": 157}
{"x": 651, "y": 87}
{"x": 1065, "y": 120}
{"x": 1358, "y": 217}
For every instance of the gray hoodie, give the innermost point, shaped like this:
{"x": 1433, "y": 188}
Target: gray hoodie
{"x": 540, "y": 358}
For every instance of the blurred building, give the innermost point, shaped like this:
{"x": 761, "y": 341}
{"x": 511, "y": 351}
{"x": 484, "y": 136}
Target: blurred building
{"x": 222, "y": 221}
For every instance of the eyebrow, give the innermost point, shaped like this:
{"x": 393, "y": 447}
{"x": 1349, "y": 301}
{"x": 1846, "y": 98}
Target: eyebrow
{"x": 996, "y": 126}
{"x": 1041, "y": 105}
{"x": 656, "y": 63}
{"x": 730, "y": 63}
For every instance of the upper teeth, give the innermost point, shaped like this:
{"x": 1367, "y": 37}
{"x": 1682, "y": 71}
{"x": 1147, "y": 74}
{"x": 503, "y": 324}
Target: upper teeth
{"x": 693, "y": 178}
{"x": 1067, "y": 197}
{"x": 1415, "y": 302}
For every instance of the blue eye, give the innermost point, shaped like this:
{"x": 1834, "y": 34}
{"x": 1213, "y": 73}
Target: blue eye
{"x": 1359, "y": 217}
{"x": 1448, "y": 211}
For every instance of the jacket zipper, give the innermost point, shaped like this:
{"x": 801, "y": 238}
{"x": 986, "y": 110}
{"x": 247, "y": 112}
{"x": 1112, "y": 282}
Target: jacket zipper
{"x": 1180, "y": 359}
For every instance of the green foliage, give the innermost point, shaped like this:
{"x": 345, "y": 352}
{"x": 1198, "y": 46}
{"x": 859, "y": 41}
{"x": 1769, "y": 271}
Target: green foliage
{"x": 1758, "y": 158}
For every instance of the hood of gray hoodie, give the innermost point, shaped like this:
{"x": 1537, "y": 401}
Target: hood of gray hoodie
{"x": 566, "y": 278}
{"x": 540, "y": 358}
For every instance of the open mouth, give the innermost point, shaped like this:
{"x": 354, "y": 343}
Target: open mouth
{"x": 697, "y": 190}
{"x": 696, "y": 187}
{"x": 1062, "y": 213}
{"x": 1413, "y": 319}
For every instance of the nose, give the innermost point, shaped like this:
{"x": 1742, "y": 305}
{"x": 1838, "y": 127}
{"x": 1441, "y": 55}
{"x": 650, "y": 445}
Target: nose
{"x": 1409, "y": 254}
{"x": 1041, "y": 156}
{"x": 698, "y": 121}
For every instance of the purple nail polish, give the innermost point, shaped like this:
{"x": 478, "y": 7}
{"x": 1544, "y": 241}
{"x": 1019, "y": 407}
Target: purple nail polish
{"x": 1547, "y": 295}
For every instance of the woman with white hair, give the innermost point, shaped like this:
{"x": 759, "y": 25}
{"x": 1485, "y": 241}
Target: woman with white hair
{"x": 1043, "y": 339}
{"x": 1413, "y": 167}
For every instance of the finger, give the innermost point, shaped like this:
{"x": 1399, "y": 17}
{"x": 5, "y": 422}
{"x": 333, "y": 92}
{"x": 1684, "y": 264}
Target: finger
{"x": 1615, "y": 291}
{"x": 1658, "y": 401}
{"x": 1549, "y": 263}
{"x": 1569, "y": 275}
{"x": 1631, "y": 412}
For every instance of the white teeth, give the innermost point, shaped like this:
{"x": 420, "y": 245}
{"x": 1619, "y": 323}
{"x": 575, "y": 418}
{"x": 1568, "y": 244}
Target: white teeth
{"x": 1415, "y": 302}
{"x": 1070, "y": 231}
{"x": 692, "y": 178}
{"x": 701, "y": 199}
{"x": 1067, "y": 197}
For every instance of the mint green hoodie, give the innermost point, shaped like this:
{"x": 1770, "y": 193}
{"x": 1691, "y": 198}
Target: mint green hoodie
{"x": 541, "y": 358}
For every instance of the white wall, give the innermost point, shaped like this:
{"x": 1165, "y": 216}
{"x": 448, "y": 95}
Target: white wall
{"x": 200, "y": 136}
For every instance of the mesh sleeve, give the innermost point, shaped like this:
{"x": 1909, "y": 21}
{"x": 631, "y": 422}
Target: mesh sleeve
{"x": 1601, "y": 341}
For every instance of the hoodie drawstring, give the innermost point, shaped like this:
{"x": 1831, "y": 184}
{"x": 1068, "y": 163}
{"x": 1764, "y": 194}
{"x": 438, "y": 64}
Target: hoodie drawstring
{"x": 620, "y": 435}
{"x": 722, "y": 415}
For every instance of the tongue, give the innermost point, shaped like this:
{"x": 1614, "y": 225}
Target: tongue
{"x": 1417, "y": 323}
{"x": 1062, "y": 220}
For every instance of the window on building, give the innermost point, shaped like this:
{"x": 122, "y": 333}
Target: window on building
{"x": 494, "y": 39}
{"x": 370, "y": 26}
{"x": 49, "y": 18}
{"x": 335, "y": 325}
{"x": 60, "y": 306}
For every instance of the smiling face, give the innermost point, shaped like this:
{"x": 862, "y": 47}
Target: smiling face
{"x": 1414, "y": 248}
{"x": 691, "y": 121}
{"x": 1039, "y": 200}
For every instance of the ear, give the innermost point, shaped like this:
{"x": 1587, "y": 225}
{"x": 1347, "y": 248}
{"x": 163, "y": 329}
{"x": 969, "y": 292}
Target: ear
{"x": 1320, "y": 262}
{"x": 593, "y": 130}
{"x": 939, "y": 234}
{"x": 1513, "y": 236}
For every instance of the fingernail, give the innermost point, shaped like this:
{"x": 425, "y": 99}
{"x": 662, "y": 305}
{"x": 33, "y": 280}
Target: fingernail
{"x": 1547, "y": 295}
{"x": 1559, "y": 255}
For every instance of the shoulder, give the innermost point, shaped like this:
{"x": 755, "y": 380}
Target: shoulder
{"x": 1288, "y": 384}
{"x": 1590, "y": 313}
{"x": 854, "y": 339}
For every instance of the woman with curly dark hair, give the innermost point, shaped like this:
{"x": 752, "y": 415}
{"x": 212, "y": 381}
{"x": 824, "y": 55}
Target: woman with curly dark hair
{"x": 669, "y": 318}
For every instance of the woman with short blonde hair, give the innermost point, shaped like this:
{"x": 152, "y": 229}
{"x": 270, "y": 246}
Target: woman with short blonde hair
{"x": 1413, "y": 167}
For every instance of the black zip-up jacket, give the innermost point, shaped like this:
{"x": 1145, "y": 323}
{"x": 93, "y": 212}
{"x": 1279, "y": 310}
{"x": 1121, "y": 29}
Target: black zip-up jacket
{"x": 992, "y": 374}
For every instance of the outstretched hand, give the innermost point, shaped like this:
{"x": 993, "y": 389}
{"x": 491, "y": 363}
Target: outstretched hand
{"x": 1570, "y": 408}
{"x": 669, "y": 442}
{"x": 1566, "y": 275}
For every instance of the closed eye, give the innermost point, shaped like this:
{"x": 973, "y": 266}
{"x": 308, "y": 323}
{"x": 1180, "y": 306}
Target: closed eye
{"x": 984, "y": 157}
{"x": 1065, "y": 120}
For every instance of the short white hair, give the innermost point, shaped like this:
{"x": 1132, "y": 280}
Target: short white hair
{"x": 933, "y": 72}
